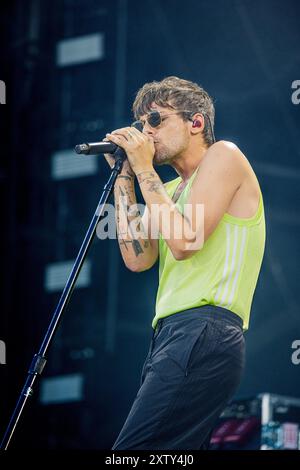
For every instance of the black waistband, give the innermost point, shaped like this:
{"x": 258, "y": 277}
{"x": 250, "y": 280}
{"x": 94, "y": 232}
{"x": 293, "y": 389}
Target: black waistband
{"x": 218, "y": 313}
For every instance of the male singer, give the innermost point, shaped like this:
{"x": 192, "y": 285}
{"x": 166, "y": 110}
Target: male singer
{"x": 208, "y": 265}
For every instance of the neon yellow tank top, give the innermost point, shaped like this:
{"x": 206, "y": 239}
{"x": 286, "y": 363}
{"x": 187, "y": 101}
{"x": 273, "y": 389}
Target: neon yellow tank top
{"x": 223, "y": 273}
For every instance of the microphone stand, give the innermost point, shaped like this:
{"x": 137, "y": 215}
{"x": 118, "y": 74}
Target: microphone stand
{"x": 39, "y": 360}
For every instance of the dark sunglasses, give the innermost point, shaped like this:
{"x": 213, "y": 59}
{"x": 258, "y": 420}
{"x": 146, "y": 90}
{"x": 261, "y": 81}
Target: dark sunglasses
{"x": 154, "y": 118}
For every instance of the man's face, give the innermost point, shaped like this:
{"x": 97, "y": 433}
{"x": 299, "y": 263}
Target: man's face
{"x": 171, "y": 137}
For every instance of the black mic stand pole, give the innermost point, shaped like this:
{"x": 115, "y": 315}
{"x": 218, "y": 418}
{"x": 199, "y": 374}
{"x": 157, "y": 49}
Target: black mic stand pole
{"x": 39, "y": 360}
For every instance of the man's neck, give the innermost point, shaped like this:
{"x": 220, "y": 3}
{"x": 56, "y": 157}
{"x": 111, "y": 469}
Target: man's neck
{"x": 186, "y": 164}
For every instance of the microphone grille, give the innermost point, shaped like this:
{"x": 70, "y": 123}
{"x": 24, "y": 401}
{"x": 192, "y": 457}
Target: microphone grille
{"x": 82, "y": 148}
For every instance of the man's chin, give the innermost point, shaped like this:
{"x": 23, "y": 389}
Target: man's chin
{"x": 160, "y": 160}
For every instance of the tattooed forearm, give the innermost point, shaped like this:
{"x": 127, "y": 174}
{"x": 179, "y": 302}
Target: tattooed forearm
{"x": 145, "y": 175}
{"x": 137, "y": 248}
{"x": 152, "y": 180}
{"x": 155, "y": 186}
{"x": 126, "y": 199}
{"x": 132, "y": 234}
{"x": 126, "y": 177}
{"x": 123, "y": 242}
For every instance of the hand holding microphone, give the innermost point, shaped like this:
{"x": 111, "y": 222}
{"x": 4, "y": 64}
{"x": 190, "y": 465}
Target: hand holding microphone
{"x": 126, "y": 168}
{"x": 110, "y": 151}
{"x": 139, "y": 147}
{"x": 128, "y": 142}
{"x": 95, "y": 148}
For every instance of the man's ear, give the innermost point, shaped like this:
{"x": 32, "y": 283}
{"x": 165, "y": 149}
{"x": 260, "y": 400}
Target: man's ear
{"x": 198, "y": 123}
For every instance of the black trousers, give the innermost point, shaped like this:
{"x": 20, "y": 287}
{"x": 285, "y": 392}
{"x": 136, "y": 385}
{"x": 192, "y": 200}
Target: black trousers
{"x": 194, "y": 366}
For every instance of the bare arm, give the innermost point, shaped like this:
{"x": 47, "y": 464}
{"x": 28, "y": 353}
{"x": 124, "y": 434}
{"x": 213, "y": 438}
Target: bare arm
{"x": 139, "y": 251}
{"x": 213, "y": 188}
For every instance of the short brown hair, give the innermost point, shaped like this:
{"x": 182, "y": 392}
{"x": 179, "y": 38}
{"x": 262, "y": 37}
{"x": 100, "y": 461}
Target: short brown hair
{"x": 176, "y": 93}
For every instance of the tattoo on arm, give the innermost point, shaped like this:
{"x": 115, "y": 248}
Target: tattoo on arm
{"x": 153, "y": 181}
{"x": 136, "y": 245}
{"x": 155, "y": 186}
{"x": 126, "y": 177}
{"x": 122, "y": 241}
{"x": 145, "y": 175}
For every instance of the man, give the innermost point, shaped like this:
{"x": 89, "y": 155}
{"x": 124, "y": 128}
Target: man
{"x": 208, "y": 269}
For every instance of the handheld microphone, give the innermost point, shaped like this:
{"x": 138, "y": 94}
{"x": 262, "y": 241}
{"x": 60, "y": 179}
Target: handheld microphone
{"x": 94, "y": 148}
